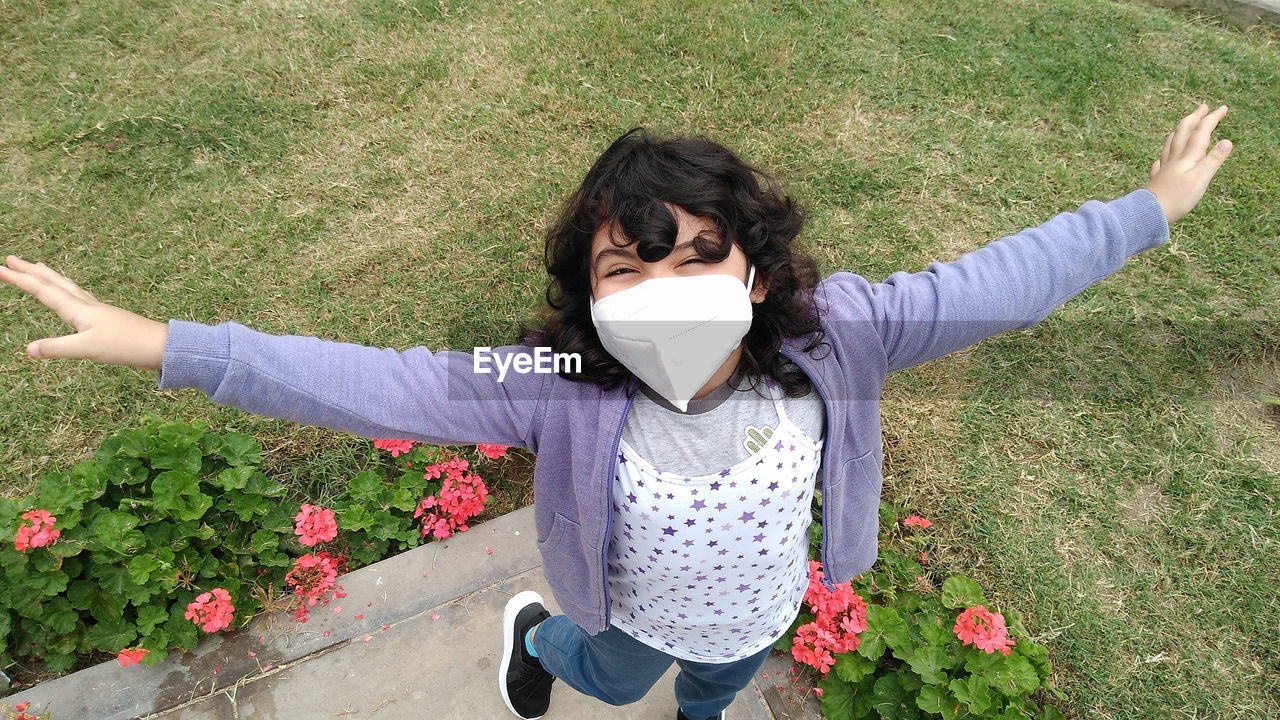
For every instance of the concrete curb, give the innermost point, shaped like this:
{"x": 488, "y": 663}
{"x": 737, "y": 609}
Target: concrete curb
{"x": 427, "y": 645}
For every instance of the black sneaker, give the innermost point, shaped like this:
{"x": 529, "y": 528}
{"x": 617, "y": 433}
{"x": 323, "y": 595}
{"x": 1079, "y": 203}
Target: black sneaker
{"x": 681, "y": 716}
{"x": 525, "y": 685}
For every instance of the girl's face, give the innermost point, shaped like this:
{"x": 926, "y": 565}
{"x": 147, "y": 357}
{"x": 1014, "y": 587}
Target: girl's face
{"x": 616, "y": 268}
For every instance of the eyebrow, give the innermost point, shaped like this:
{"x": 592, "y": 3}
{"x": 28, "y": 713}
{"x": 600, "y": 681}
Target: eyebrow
{"x": 628, "y": 252}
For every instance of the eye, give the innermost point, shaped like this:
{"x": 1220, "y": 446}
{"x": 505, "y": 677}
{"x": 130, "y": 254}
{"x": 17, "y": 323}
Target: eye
{"x": 618, "y": 271}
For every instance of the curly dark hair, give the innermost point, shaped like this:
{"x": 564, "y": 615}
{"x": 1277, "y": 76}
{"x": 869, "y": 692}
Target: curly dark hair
{"x": 630, "y": 187}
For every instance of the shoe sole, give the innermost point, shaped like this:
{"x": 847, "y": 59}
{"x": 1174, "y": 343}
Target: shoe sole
{"x": 517, "y": 603}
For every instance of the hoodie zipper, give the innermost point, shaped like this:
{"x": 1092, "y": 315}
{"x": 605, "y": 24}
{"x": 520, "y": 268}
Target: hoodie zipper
{"x": 825, "y": 467}
{"x": 608, "y": 504}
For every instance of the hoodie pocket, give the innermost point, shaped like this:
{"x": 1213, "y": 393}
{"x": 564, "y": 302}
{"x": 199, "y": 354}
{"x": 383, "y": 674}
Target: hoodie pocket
{"x": 566, "y": 567}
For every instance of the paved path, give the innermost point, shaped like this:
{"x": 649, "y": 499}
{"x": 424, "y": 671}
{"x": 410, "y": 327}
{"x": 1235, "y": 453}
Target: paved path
{"x": 428, "y": 646}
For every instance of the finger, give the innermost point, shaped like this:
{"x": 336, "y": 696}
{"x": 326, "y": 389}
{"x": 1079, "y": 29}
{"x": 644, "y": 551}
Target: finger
{"x": 1198, "y": 143}
{"x": 48, "y": 274}
{"x": 66, "y": 346}
{"x": 1208, "y": 167}
{"x": 1184, "y": 129}
{"x": 1155, "y": 168}
{"x": 1164, "y": 151}
{"x": 55, "y": 298}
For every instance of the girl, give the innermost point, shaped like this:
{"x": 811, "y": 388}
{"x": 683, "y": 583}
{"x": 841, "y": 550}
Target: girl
{"x": 720, "y": 382}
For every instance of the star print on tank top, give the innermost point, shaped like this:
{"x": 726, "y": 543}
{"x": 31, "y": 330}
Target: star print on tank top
{"x": 713, "y": 568}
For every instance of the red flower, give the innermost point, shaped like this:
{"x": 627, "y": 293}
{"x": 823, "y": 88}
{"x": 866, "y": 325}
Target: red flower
{"x": 916, "y": 520}
{"x": 315, "y": 524}
{"x": 211, "y": 611}
{"x": 394, "y": 446}
{"x": 493, "y": 451}
{"x": 312, "y": 577}
{"x": 841, "y": 616}
{"x": 36, "y": 530}
{"x": 129, "y": 657}
{"x": 984, "y": 629}
{"x": 462, "y": 497}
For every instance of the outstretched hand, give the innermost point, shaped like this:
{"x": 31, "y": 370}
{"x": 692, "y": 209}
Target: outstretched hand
{"x": 1181, "y": 174}
{"x": 104, "y": 333}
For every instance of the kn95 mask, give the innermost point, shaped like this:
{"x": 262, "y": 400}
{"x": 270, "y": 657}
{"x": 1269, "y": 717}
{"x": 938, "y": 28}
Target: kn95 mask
{"x": 675, "y": 332}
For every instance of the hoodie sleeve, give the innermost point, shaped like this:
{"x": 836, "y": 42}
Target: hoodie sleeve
{"x": 416, "y": 394}
{"x": 1011, "y": 283}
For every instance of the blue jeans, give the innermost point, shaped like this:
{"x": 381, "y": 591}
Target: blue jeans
{"x": 619, "y": 669}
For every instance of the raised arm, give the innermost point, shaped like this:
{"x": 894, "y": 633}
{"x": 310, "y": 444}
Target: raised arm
{"x": 1017, "y": 280}
{"x": 415, "y": 394}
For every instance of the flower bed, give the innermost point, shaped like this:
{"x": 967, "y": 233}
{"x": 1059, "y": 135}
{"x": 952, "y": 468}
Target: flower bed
{"x": 171, "y": 531}
{"x": 891, "y": 644}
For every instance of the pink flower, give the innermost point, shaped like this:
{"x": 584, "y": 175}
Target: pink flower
{"x": 841, "y": 616}
{"x": 493, "y": 451}
{"x": 984, "y": 629}
{"x": 916, "y": 520}
{"x": 129, "y": 656}
{"x": 38, "y": 533}
{"x": 394, "y": 446}
{"x": 211, "y": 611}
{"x": 313, "y": 577}
{"x": 462, "y": 496}
{"x": 453, "y": 467}
{"x": 315, "y": 524}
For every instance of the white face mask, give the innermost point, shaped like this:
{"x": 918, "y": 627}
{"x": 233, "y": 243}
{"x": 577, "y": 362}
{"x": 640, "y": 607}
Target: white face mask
{"x": 675, "y": 332}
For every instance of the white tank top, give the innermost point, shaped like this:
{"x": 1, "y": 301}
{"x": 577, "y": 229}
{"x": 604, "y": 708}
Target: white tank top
{"x": 712, "y": 568}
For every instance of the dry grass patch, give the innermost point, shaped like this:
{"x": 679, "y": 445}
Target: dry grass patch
{"x": 1243, "y": 423}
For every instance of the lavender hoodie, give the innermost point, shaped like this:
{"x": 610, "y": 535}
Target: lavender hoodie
{"x": 574, "y": 428}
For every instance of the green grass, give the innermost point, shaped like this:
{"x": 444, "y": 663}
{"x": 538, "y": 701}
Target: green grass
{"x": 361, "y": 171}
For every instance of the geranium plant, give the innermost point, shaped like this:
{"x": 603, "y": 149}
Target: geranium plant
{"x": 171, "y": 530}
{"x": 890, "y": 644}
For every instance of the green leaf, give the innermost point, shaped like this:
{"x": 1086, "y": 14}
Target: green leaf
{"x": 356, "y": 517}
{"x": 838, "y": 702}
{"x": 124, "y": 471}
{"x": 1010, "y": 674}
{"x": 889, "y": 699}
{"x": 1037, "y": 655}
{"x": 264, "y": 540}
{"x": 260, "y": 484}
{"x": 81, "y": 594}
{"x": 960, "y": 592}
{"x": 247, "y": 506}
{"x": 141, "y": 567}
{"x": 177, "y": 453}
{"x": 234, "y": 478}
{"x": 59, "y": 616}
{"x": 972, "y": 692}
{"x": 365, "y": 486}
{"x": 115, "y": 532}
{"x": 49, "y": 582}
{"x": 59, "y": 661}
{"x": 9, "y": 511}
{"x": 931, "y": 699}
{"x": 149, "y": 616}
{"x": 183, "y": 634}
{"x": 177, "y": 493}
{"x": 112, "y": 635}
{"x": 885, "y": 628}
{"x": 240, "y": 450}
{"x": 62, "y": 491}
{"x": 928, "y": 662}
{"x": 852, "y": 667}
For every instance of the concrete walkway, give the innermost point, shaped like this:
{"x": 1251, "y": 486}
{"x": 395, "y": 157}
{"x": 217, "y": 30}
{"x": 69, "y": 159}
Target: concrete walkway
{"x": 427, "y": 646}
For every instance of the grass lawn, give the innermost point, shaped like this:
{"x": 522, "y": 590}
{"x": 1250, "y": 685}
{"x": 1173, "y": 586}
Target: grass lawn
{"x": 381, "y": 171}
